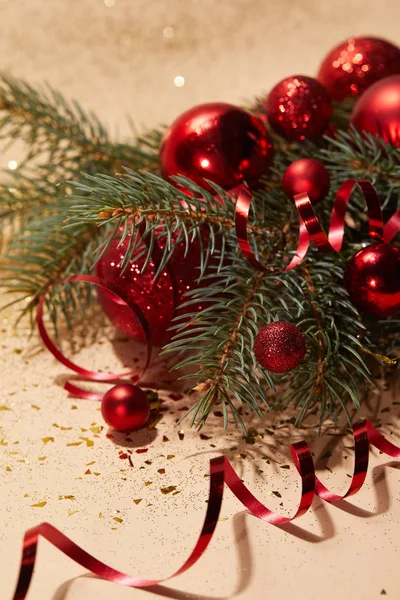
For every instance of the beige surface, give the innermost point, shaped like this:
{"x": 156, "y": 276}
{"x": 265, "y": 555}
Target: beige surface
{"x": 116, "y": 60}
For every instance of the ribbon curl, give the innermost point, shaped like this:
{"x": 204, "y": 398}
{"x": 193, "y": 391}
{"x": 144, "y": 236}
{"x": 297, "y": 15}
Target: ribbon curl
{"x": 135, "y": 313}
{"x": 310, "y": 229}
{"x": 221, "y": 474}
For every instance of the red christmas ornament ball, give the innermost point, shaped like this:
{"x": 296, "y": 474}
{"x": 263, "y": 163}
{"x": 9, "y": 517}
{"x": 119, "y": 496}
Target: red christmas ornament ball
{"x": 125, "y": 407}
{"x": 155, "y": 298}
{"x": 219, "y": 142}
{"x": 378, "y": 110}
{"x": 306, "y": 175}
{"x": 372, "y": 279}
{"x": 299, "y": 108}
{"x": 357, "y": 63}
{"x": 279, "y": 347}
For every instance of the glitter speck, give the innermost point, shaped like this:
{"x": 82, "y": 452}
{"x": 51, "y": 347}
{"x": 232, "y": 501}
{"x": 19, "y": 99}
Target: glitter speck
{"x": 179, "y": 81}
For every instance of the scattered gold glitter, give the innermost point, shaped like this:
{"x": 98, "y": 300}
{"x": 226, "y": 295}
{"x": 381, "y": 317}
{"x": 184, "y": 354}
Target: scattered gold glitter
{"x": 168, "y": 490}
{"x": 177, "y": 492}
{"x": 96, "y": 474}
{"x": 8, "y": 469}
{"x": 26, "y": 495}
{"x": 161, "y": 471}
{"x": 97, "y": 429}
{"x": 138, "y": 501}
{"x": 89, "y": 442}
{"x": 71, "y": 512}
{"x": 18, "y": 351}
{"x": 148, "y": 462}
{"x": 3, "y": 442}
{"x": 91, "y": 463}
{"x": 65, "y": 428}
{"x": 146, "y": 483}
{"x": 35, "y": 406}
{"x": 4, "y": 407}
{"x": 66, "y": 497}
{"x": 284, "y": 467}
{"x": 74, "y": 407}
{"x": 275, "y": 494}
{"x": 170, "y": 456}
{"x": 46, "y": 440}
{"x": 181, "y": 435}
{"x": 88, "y": 472}
{"x": 223, "y": 518}
{"x": 101, "y": 516}
{"x": 118, "y": 519}
{"x": 165, "y": 439}
{"x": 39, "y": 504}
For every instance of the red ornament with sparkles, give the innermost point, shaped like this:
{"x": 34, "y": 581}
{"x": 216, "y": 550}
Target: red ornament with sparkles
{"x": 219, "y": 142}
{"x": 357, "y": 63}
{"x": 155, "y": 298}
{"x": 280, "y": 347}
{"x": 125, "y": 407}
{"x": 378, "y": 110}
{"x": 299, "y": 108}
{"x": 306, "y": 175}
{"x": 372, "y": 279}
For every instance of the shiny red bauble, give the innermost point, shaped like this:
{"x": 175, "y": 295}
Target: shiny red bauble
{"x": 372, "y": 279}
{"x": 219, "y": 142}
{"x": 357, "y": 63}
{"x": 306, "y": 175}
{"x": 155, "y": 298}
{"x": 279, "y": 347}
{"x": 298, "y": 108}
{"x": 125, "y": 407}
{"x": 378, "y": 110}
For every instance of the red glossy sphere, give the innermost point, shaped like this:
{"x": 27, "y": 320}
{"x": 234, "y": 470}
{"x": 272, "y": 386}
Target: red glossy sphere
{"x": 372, "y": 279}
{"x": 219, "y": 142}
{"x": 280, "y": 347}
{"x": 125, "y": 407}
{"x": 306, "y": 175}
{"x": 378, "y": 110}
{"x": 357, "y": 63}
{"x": 299, "y": 108}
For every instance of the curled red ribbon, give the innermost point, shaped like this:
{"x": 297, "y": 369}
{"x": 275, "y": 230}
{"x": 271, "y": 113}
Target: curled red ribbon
{"x": 221, "y": 474}
{"x": 136, "y": 313}
{"x": 310, "y": 228}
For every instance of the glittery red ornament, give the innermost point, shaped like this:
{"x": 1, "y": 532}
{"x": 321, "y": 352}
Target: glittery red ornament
{"x": 280, "y": 347}
{"x": 306, "y": 175}
{"x": 219, "y": 142}
{"x": 378, "y": 110}
{"x": 125, "y": 407}
{"x": 155, "y": 298}
{"x": 372, "y": 279}
{"x": 357, "y": 63}
{"x": 299, "y": 108}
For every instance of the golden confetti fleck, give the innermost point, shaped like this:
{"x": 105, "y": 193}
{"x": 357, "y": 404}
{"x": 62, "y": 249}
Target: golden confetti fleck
{"x": 241, "y": 455}
{"x": 8, "y": 469}
{"x": 177, "y": 492}
{"x": 4, "y": 407}
{"x": 165, "y": 439}
{"x": 35, "y": 406}
{"x": 13, "y": 453}
{"x": 22, "y": 460}
{"x": 66, "y": 497}
{"x": 223, "y": 518}
{"x": 97, "y": 429}
{"x": 118, "y": 519}
{"x": 284, "y": 466}
{"x": 138, "y": 501}
{"x": 101, "y": 516}
{"x": 39, "y": 504}
{"x": 275, "y": 494}
{"x": 74, "y": 444}
{"x": 42, "y": 457}
{"x": 168, "y": 490}
{"x": 89, "y": 442}
{"x": 97, "y": 474}
{"x": 74, "y": 407}
{"x": 71, "y": 512}
{"x": 383, "y": 593}
{"x": 55, "y": 425}
{"x": 83, "y": 429}
{"x": 161, "y": 471}
{"x": 148, "y": 462}
{"x": 26, "y": 495}
{"x": 48, "y": 439}
{"x": 3, "y": 443}
{"x": 181, "y": 435}
{"x": 65, "y": 428}
{"x": 17, "y": 350}
{"x": 88, "y": 472}
{"x": 170, "y": 456}
{"x": 146, "y": 483}
{"x": 91, "y": 463}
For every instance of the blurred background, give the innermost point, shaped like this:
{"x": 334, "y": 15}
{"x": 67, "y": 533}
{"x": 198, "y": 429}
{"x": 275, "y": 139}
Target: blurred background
{"x": 150, "y": 59}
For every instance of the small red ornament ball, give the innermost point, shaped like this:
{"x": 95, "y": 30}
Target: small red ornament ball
{"x": 372, "y": 279}
{"x": 219, "y": 142}
{"x": 125, "y": 407}
{"x": 279, "y": 347}
{"x": 306, "y": 175}
{"x": 298, "y": 108}
{"x": 378, "y": 110}
{"x": 357, "y": 63}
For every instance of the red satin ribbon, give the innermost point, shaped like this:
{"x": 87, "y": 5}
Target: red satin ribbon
{"x": 135, "y": 313}
{"x": 221, "y": 473}
{"x": 310, "y": 228}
